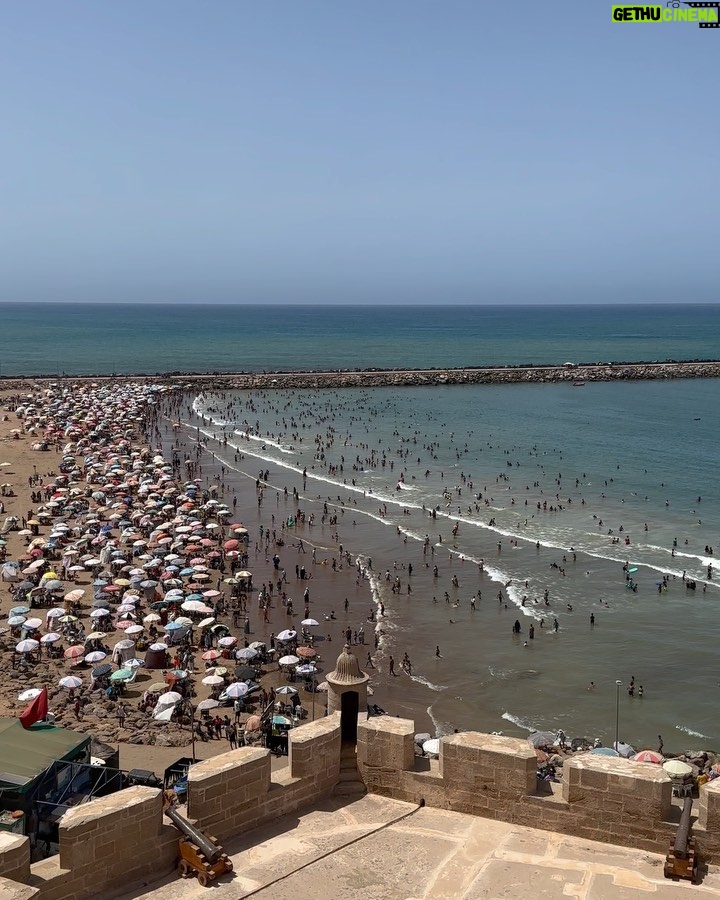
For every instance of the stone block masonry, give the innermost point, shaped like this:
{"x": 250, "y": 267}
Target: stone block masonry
{"x": 123, "y": 839}
{"x": 600, "y": 798}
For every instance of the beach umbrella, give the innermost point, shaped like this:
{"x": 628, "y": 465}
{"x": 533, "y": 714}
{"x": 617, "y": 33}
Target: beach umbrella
{"x": 649, "y": 756}
{"x": 54, "y": 613}
{"x": 157, "y": 688}
{"x": 27, "y": 646}
{"x": 16, "y": 621}
{"x": 232, "y": 544}
{"x": 134, "y": 629}
{"x": 289, "y": 660}
{"x": 50, "y": 638}
{"x": 246, "y": 653}
{"x": 99, "y": 613}
{"x": 253, "y": 723}
{"x": 306, "y": 652}
{"x": 29, "y": 694}
{"x": 95, "y": 656}
{"x": 309, "y": 623}
{"x": 206, "y": 623}
{"x": 604, "y": 751}
{"x": 67, "y": 619}
{"x": 125, "y": 644}
{"x": 287, "y": 635}
{"x": 169, "y": 698}
{"x": 121, "y": 675}
{"x": 32, "y": 624}
{"x": 211, "y": 654}
{"x": 244, "y": 673}
{"x": 278, "y": 720}
{"x": 228, "y": 641}
{"x": 95, "y": 636}
{"x": 133, "y": 663}
{"x": 158, "y": 646}
{"x": 432, "y": 747}
{"x": 676, "y": 768}
{"x": 151, "y": 617}
{"x": 235, "y": 691}
{"x": 323, "y": 686}
{"x": 542, "y": 739}
{"x": 53, "y": 584}
{"x": 193, "y": 606}
{"x": 306, "y": 669}
{"x": 625, "y": 750}
{"x": 213, "y": 680}
{"x": 205, "y": 705}
{"x": 70, "y": 682}
{"x": 20, "y": 610}
{"x": 285, "y": 690}
{"x": 173, "y": 626}
{"x": 74, "y": 652}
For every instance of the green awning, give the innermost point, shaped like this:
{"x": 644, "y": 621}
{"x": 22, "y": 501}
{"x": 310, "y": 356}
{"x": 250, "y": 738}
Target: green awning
{"x": 25, "y": 754}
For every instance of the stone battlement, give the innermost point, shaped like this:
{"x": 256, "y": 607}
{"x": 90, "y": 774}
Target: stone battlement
{"x": 114, "y": 842}
{"x": 599, "y": 798}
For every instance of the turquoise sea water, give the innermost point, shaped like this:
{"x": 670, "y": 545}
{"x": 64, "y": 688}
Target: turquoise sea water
{"x": 48, "y": 339}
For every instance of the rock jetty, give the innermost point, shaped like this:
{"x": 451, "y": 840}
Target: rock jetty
{"x": 569, "y": 373}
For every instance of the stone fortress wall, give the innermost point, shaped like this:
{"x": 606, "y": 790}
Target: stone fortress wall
{"x": 121, "y": 840}
{"x": 600, "y": 798}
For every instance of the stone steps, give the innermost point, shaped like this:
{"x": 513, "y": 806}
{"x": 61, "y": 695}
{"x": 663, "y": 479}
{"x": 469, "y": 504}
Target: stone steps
{"x": 349, "y": 784}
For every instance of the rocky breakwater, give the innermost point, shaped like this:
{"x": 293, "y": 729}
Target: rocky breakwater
{"x": 570, "y": 373}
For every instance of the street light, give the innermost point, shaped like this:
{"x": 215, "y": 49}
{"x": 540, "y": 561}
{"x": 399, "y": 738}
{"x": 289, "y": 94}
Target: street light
{"x": 618, "y": 685}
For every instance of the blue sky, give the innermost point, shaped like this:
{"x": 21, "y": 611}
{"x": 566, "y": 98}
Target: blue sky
{"x": 379, "y": 152}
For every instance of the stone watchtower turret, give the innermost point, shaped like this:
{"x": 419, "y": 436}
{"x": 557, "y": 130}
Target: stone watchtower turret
{"x": 347, "y": 693}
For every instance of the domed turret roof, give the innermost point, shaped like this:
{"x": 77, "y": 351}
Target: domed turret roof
{"x": 347, "y": 669}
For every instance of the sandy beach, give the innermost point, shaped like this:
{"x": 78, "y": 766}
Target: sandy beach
{"x": 51, "y": 514}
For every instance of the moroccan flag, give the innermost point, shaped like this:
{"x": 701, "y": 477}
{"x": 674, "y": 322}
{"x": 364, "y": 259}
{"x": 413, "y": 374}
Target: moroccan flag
{"x": 37, "y": 711}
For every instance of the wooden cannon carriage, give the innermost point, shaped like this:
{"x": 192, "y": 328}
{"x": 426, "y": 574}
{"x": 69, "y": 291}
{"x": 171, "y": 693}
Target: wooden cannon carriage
{"x": 681, "y": 860}
{"x": 200, "y": 853}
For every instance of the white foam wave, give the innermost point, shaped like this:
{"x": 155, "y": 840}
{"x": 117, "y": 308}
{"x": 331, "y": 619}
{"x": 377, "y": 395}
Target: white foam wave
{"x": 420, "y": 679}
{"x": 440, "y": 727}
{"x": 693, "y": 733}
{"x": 525, "y": 724}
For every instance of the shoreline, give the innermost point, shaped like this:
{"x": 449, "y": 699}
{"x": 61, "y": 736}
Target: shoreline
{"x": 519, "y": 374}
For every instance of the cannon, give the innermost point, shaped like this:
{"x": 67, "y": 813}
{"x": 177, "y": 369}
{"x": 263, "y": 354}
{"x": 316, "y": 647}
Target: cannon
{"x": 199, "y": 852}
{"x": 681, "y": 860}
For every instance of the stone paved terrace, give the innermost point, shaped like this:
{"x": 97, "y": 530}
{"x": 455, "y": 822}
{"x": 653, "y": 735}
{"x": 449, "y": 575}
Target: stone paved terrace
{"x": 381, "y": 849}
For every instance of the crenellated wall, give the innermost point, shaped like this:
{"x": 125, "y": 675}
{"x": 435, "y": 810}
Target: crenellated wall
{"x": 600, "y": 798}
{"x": 234, "y": 792}
{"x": 124, "y": 839}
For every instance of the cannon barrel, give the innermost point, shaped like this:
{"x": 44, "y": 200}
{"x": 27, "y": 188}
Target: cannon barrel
{"x": 210, "y": 850}
{"x": 680, "y": 848}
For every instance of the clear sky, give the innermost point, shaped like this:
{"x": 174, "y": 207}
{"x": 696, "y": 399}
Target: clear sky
{"x": 349, "y": 152}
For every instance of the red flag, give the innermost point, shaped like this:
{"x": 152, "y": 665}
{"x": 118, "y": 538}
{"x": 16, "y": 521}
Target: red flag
{"x": 37, "y": 711}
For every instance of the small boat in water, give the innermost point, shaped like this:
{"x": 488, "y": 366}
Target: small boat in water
{"x": 579, "y": 384}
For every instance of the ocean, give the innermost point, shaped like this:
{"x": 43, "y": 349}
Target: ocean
{"x": 553, "y": 489}
{"x": 104, "y": 339}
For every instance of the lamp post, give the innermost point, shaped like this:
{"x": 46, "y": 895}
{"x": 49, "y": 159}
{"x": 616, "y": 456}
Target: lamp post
{"x": 618, "y": 685}
{"x": 192, "y": 728}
